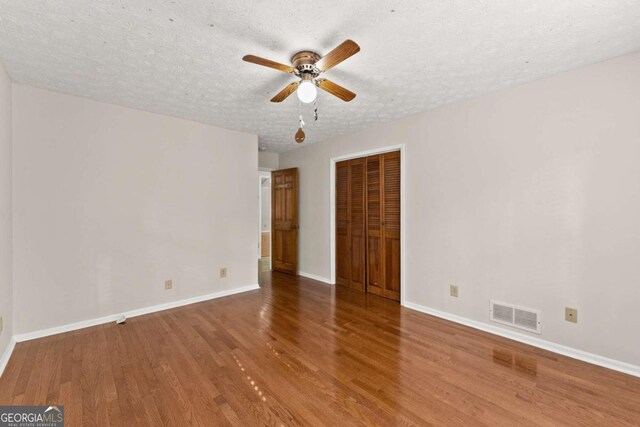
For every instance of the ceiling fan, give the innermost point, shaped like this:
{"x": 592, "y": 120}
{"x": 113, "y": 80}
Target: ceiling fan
{"x": 308, "y": 66}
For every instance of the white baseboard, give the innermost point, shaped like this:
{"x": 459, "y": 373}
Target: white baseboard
{"x": 574, "y": 353}
{"x": 7, "y": 355}
{"x": 314, "y": 277}
{"x": 133, "y": 313}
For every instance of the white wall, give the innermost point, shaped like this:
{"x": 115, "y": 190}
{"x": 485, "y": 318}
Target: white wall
{"x": 6, "y": 239}
{"x": 265, "y": 187}
{"x": 268, "y": 161}
{"x": 529, "y": 196}
{"x": 109, "y": 202}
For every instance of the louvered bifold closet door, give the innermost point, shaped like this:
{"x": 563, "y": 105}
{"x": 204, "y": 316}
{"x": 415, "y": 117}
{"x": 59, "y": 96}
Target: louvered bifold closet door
{"x": 368, "y": 224}
{"x": 343, "y": 237}
{"x": 375, "y": 274}
{"x": 357, "y": 223}
{"x": 391, "y": 224}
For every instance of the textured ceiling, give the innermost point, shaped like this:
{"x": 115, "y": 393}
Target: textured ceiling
{"x": 183, "y": 58}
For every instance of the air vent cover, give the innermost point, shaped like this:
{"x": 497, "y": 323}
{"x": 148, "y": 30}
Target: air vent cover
{"x": 516, "y": 316}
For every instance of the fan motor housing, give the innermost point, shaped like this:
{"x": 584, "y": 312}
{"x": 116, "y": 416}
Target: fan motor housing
{"x": 304, "y": 61}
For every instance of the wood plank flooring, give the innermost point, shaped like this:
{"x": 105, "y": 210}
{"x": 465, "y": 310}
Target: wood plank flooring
{"x": 298, "y": 352}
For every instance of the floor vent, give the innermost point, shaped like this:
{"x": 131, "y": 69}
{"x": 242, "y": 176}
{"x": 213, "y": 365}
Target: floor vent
{"x": 516, "y": 316}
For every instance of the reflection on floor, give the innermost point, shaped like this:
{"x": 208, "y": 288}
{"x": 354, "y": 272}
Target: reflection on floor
{"x": 299, "y": 352}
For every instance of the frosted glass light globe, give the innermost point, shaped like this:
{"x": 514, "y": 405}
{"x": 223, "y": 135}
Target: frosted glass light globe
{"x": 307, "y": 92}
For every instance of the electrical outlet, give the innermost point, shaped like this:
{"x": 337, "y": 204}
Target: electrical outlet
{"x": 223, "y": 272}
{"x": 1, "y": 325}
{"x": 571, "y": 314}
{"x": 453, "y": 290}
{"x": 168, "y": 284}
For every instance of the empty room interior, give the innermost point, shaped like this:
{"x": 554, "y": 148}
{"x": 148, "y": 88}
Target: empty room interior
{"x": 337, "y": 213}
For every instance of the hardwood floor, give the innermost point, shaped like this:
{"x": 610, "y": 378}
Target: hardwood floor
{"x": 298, "y": 352}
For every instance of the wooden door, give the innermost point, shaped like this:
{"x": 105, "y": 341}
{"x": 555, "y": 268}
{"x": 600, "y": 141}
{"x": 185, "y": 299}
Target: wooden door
{"x": 368, "y": 224}
{"x": 391, "y": 224}
{"x": 357, "y": 223}
{"x": 375, "y": 278}
{"x": 343, "y": 237}
{"x": 351, "y": 224}
{"x": 284, "y": 220}
{"x": 383, "y": 225}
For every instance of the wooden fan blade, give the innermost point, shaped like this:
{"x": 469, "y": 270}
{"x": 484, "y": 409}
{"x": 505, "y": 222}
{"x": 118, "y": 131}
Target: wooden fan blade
{"x": 284, "y": 93}
{"x": 269, "y": 63}
{"x": 345, "y": 50}
{"x": 336, "y": 90}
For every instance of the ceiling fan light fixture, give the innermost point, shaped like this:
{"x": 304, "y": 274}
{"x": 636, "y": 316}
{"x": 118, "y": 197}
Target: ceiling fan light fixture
{"x": 307, "y": 91}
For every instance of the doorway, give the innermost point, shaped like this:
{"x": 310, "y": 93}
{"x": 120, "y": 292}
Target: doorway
{"x": 264, "y": 236}
{"x": 367, "y": 222}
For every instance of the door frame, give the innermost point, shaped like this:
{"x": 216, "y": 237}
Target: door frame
{"x": 332, "y": 208}
{"x": 263, "y": 174}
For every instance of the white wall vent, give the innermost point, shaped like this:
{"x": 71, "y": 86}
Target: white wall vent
{"x": 516, "y": 316}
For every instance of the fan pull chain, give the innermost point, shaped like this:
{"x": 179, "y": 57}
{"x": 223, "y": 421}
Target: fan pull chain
{"x": 315, "y": 110}
{"x": 299, "y": 136}
{"x": 300, "y": 120}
